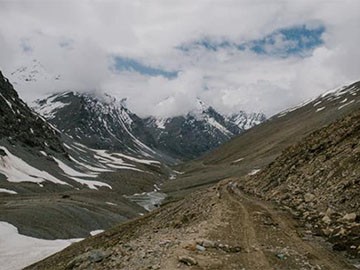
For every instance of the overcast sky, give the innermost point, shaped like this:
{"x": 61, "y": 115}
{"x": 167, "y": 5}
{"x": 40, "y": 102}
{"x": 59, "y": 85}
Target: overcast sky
{"x": 255, "y": 55}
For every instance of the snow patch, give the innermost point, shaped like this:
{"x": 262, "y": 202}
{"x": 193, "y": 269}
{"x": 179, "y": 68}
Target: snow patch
{"x": 49, "y": 109}
{"x": 110, "y": 203}
{"x": 160, "y": 123}
{"x": 320, "y": 109}
{"x": 218, "y": 126}
{"x": 346, "y": 104}
{"x": 4, "y": 190}
{"x": 74, "y": 175}
{"x": 92, "y": 233}
{"x": 253, "y": 172}
{"x": 147, "y": 200}
{"x": 16, "y": 170}
{"x": 8, "y": 103}
{"x": 18, "y": 251}
{"x": 238, "y": 160}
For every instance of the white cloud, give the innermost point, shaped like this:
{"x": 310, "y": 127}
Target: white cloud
{"x": 149, "y": 31}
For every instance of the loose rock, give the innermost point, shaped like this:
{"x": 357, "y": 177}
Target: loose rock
{"x": 349, "y": 217}
{"x": 187, "y": 260}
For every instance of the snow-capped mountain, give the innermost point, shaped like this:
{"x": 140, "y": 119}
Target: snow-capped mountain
{"x": 32, "y": 73}
{"x": 30, "y": 146}
{"x": 245, "y": 121}
{"x": 100, "y": 121}
{"x": 199, "y": 131}
{"x": 20, "y": 125}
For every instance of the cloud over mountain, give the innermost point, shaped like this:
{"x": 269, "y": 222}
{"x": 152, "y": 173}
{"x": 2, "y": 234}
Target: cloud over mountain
{"x": 162, "y": 55}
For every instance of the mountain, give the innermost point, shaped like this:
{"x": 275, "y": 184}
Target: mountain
{"x": 199, "y": 131}
{"x": 31, "y": 73}
{"x": 98, "y": 122}
{"x": 54, "y": 187}
{"x": 102, "y": 122}
{"x": 246, "y": 121}
{"x": 23, "y": 126}
{"x": 259, "y": 146}
{"x": 266, "y": 199}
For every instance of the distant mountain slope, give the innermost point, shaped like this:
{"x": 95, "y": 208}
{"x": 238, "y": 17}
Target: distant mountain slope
{"x": 199, "y": 131}
{"x": 32, "y": 72}
{"x": 259, "y": 146}
{"x": 21, "y": 125}
{"x": 100, "y": 121}
{"x": 289, "y": 126}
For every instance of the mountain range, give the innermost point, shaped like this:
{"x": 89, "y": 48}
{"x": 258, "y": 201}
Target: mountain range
{"x": 84, "y": 162}
{"x": 103, "y": 122}
{"x": 267, "y": 199}
{"x": 99, "y": 120}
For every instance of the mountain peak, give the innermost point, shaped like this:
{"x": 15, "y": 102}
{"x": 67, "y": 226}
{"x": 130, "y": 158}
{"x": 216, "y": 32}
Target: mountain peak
{"x": 32, "y": 73}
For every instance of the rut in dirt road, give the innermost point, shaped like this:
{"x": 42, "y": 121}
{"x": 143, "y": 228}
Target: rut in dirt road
{"x": 270, "y": 238}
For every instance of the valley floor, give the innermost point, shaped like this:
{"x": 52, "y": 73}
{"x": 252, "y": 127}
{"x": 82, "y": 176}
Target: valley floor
{"x": 218, "y": 228}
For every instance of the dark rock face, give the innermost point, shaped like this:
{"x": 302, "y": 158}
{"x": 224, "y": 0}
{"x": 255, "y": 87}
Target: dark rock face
{"x": 19, "y": 124}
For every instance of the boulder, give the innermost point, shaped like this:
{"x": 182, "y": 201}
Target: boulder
{"x": 326, "y": 220}
{"x": 309, "y": 197}
{"x": 187, "y": 260}
{"x": 349, "y": 217}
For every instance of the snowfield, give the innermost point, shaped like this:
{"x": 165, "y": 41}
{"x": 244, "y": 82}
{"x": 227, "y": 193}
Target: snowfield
{"x": 18, "y": 251}
{"x": 16, "y": 170}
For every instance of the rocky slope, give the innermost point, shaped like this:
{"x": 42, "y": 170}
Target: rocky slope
{"x": 319, "y": 179}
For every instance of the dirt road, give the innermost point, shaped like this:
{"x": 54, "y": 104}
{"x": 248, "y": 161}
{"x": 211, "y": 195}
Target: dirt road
{"x": 270, "y": 238}
{"x": 217, "y": 228}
